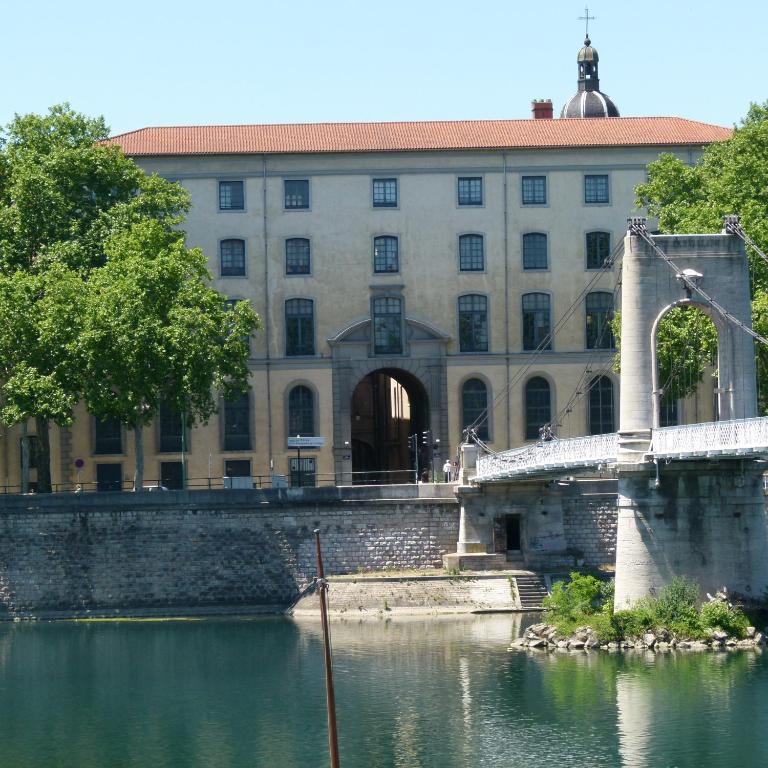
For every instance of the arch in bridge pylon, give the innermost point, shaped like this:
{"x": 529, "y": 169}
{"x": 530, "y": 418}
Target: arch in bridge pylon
{"x": 650, "y": 289}
{"x": 725, "y": 373}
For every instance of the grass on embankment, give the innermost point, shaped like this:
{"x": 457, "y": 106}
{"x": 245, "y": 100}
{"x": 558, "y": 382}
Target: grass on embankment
{"x": 585, "y": 601}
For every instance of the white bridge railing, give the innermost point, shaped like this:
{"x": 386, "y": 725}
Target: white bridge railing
{"x": 736, "y": 438}
{"x": 552, "y": 454}
{"x": 739, "y": 437}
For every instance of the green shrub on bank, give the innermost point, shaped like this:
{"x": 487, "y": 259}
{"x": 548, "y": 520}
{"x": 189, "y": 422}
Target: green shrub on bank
{"x": 717, "y": 615}
{"x": 587, "y": 602}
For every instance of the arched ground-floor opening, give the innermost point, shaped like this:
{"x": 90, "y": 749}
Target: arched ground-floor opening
{"x": 388, "y": 406}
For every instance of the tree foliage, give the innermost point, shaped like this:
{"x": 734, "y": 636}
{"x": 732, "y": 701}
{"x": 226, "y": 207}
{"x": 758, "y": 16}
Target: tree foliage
{"x": 154, "y": 330}
{"x": 101, "y": 300}
{"x": 731, "y": 177}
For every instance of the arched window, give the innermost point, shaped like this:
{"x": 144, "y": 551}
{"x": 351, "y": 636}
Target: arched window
{"x": 301, "y": 411}
{"x": 535, "y": 251}
{"x": 473, "y": 323}
{"x": 297, "y": 258}
{"x": 601, "y": 406}
{"x": 538, "y": 406}
{"x": 536, "y": 321}
{"x": 474, "y": 407}
{"x": 232, "y": 258}
{"x": 386, "y": 257}
{"x": 599, "y": 315}
{"x": 471, "y": 253}
{"x": 299, "y": 327}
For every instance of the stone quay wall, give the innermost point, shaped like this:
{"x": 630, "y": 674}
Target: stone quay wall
{"x": 181, "y": 552}
{"x": 589, "y": 524}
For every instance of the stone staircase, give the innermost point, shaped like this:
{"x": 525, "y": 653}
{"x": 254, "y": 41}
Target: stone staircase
{"x": 531, "y": 590}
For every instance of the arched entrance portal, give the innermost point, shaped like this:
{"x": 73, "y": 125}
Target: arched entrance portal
{"x": 387, "y": 406}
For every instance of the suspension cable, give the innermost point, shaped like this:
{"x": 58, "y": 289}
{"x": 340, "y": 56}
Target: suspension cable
{"x": 732, "y": 226}
{"x": 543, "y": 346}
{"x": 584, "y": 386}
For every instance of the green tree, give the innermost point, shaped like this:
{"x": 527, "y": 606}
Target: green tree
{"x": 63, "y": 192}
{"x": 154, "y": 331}
{"x": 40, "y": 321}
{"x": 731, "y": 177}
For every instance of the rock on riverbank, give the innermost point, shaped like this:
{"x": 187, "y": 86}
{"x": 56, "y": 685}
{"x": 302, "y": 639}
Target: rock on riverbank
{"x": 546, "y": 637}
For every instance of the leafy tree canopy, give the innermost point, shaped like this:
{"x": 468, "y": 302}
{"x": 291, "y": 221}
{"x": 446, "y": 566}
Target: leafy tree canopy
{"x": 100, "y": 298}
{"x": 154, "y": 330}
{"x": 730, "y": 177}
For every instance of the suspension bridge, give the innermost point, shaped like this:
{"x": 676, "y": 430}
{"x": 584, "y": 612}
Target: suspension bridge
{"x": 690, "y": 498}
{"x": 735, "y": 439}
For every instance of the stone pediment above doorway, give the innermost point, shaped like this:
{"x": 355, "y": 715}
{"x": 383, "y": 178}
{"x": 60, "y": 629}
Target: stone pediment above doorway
{"x": 420, "y": 336}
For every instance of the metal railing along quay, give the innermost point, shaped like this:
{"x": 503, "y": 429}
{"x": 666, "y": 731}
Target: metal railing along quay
{"x": 259, "y": 482}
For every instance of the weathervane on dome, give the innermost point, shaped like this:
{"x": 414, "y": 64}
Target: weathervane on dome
{"x": 586, "y": 18}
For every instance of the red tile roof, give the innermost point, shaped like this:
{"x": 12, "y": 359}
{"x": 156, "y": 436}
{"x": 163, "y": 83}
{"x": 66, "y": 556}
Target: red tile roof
{"x": 415, "y": 136}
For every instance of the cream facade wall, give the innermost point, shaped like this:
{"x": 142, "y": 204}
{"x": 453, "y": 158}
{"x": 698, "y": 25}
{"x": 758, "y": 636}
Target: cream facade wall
{"x": 341, "y": 223}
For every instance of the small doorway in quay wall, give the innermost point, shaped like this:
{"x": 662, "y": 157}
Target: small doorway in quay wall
{"x": 512, "y": 527}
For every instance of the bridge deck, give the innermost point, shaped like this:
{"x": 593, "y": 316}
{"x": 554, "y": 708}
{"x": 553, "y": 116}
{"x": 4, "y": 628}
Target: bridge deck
{"x": 719, "y": 439}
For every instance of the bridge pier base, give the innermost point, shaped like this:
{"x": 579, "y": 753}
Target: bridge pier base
{"x": 702, "y": 520}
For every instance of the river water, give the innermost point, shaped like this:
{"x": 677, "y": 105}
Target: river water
{"x": 443, "y": 692}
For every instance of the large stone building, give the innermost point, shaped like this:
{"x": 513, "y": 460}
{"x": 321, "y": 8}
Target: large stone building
{"x": 410, "y": 277}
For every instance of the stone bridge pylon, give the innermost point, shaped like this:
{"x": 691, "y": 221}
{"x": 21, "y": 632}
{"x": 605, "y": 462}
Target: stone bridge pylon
{"x": 700, "y": 518}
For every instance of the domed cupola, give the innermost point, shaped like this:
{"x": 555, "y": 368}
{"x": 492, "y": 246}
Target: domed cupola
{"x": 588, "y": 101}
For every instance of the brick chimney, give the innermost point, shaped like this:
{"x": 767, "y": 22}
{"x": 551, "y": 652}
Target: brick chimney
{"x": 542, "y": 109}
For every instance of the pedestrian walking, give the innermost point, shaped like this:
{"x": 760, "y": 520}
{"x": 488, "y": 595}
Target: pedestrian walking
{"x": 447, "y": 470}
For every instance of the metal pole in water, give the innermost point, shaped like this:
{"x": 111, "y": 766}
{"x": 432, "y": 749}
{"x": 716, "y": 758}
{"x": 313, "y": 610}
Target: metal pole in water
{"x": 333, "y": 740}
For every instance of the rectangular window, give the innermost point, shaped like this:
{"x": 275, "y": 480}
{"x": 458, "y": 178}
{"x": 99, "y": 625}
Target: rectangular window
{"x": 668, "y": 413}
{"x": 230, "y": 304}
{"x": 598, "y": 249}
{"x": 232, "y": 254}
{"x": 108, "y": 437}
{"x": 471, "y": 253}
{"x": 386, "y": 257}
{"x": 303, "y": 472}
{"x": 299, "y": 327}
{"x": 237, "y": 474}
{"x": 109, "y": 477}
{"x": 536, "y": 321}
{"x": 470, "y": 190}
{"x": 473, "y": 323}
{"x": 534, "y": 251}
{"x": 596, "y": 188}
{"x": 170, "y": 429}
{"x": 297, "y": 256}
{"x": 296, "y": 194}
{"x": 172, "y": 475}
{"x": 387, "y": 326}
{"x": 237, "y": 430}
{"x": 231, "y": 196}
{"x": 385, "y": 193}
{"x": 534, "y": 190}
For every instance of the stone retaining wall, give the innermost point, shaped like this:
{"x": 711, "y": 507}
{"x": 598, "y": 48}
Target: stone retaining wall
{"x": 590, "y": 528}
{"x": 103, "y": 553}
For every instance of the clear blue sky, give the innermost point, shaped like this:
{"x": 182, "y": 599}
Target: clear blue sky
{"x": 169, "y": 62}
